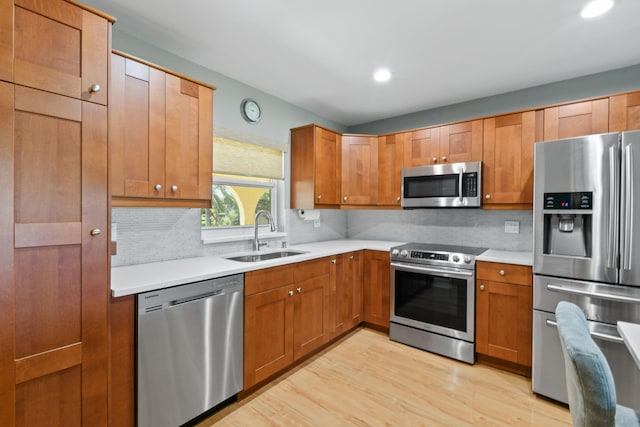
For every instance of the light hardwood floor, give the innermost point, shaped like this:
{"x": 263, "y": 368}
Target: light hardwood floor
{"x": 367, "y": 380}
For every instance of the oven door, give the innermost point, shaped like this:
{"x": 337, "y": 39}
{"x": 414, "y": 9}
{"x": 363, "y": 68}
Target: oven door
{"x": 436, "y": 299}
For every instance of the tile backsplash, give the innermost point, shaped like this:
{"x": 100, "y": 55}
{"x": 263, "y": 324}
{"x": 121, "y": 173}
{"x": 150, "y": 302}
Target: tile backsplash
{"x": 160, "y": 234}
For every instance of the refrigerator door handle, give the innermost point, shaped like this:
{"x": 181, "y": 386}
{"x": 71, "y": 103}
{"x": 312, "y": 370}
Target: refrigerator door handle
{"x": 589, "y": 293}
{"x": 612, "y": 240}
{"x": 627, "y": 232}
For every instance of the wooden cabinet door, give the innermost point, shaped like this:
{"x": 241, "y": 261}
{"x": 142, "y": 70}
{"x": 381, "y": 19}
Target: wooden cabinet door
{"x": 503, "y": 321}
{"x": 580, "y": 118}
{"x": 359, "y": 170}
{"x": 268, "y": 333}
{"x": 376, "y": 288}
{"x": 189, "y": 139}
{"x": 6, "y": 40}
{"x": 355, "y": 261}
{"x": 340, "y": 295}
{"x": 461, "y": 142}
{"x": 308, "y": 315}
{"x": 136, "y": 129}
{"x": 390, "y": 163}
{"x": 624, "y": 112}
{"x": 423, "y": 149}
{"x": 60, "y": 48}
{"x": 54, "y": 281}
{"x": 327, "y": 162}
{"x": 508, "y": 159}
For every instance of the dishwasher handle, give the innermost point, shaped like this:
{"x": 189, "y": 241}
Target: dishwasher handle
{"x": 194, "y": 298}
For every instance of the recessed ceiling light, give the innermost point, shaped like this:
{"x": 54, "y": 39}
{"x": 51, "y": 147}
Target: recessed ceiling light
{"x": 382, "y": 75}
{"x": 596, "y": 8}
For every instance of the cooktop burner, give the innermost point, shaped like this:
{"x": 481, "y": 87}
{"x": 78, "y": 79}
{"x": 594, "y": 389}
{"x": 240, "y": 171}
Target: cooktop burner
{"x": 427, "y": 253}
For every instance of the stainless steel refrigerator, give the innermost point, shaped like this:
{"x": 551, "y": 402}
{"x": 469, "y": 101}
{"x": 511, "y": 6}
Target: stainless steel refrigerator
{"x": 587, "y": 251}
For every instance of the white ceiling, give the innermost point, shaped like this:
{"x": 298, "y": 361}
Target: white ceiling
{"x": 321, "y": 55}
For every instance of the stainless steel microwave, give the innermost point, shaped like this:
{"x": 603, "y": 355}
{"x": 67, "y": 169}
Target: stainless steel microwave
{"x": 453, "y": 185}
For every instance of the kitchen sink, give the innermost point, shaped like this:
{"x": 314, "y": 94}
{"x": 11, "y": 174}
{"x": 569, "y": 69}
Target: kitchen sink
{"x": 265, "y": 256}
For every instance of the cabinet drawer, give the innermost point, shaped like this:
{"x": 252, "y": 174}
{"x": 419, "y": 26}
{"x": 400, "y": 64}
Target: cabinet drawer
{"x": 309, "y": 269}
{"x": 267, "y": 279}
{"x": 509, "y": 273}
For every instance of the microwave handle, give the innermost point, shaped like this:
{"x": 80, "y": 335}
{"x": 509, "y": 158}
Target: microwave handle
{"x": 460, "y": 184}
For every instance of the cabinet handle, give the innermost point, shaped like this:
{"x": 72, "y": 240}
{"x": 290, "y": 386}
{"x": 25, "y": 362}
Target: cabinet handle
{"x": 344, "y": 198}
{"x": 299, "y": 290}
{"x": 319, "y": 196}
{"x": 333, "y": 261}
{"x": 95, "y": 232}
{"x": 291, "y": 293}
{"x": 501, "y": 272}
{"x": 444, "y": 158}
{"x": 158, "y": 187}
{"x": 351, "y": 257}
{"x": 174, "y": 188}
{"x": 482, "y": 287}
{"x": 95, "y": 88}
{"x": 488, "y": 196}
{"x": 434, "y": 160}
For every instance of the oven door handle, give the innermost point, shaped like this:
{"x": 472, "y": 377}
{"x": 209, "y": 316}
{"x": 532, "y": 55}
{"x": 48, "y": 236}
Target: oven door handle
{"x": 606, "y": 337}
{"x": 600, "y": 295}
{"x": 438, "y": 271}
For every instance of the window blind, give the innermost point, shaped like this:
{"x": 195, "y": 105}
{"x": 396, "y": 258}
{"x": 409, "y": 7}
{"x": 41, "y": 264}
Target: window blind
{"x": 241, "y": 158}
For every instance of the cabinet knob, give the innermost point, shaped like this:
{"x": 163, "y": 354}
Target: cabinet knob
{"x": 501, "y": 272}
{"x": 444, "y": 158}
{"x": 174, "y": 188}
{"x": 344, "y": 198}
{"x": 291, "y": 293}
{"x": 333, "y": 261}
{"x": 299, "y": 290}
{"x": 95, "y": 232}
{"x": 95, "y": 88}
{"x": 351, "y": 257}
{"x": 319, "y": 196}
{"x": 482, "y": 287}
{"x": 434, "y": 160}
{"x": 487, "y": 196}
{"x": 158, "y": 187}
{"x": 398, "y": 198}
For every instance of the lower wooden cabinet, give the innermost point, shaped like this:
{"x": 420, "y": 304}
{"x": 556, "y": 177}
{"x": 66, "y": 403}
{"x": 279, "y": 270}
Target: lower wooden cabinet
{"x": 376, "y": 288}
{"x": 504, "y": 314}
{"x": 346, "y": 292}
{"x": 285, "y": 316}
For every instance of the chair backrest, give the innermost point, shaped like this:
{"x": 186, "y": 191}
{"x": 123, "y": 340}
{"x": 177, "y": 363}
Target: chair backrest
{"x": 592, "y": 393}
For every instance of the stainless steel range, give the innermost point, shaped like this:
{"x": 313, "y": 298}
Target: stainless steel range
{"x": 433, "y": 298}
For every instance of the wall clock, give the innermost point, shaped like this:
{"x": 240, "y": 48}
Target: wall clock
{"x": 250, "y": 110}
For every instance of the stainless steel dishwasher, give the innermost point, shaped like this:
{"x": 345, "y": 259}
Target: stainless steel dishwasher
{"x": 190, "y": 349}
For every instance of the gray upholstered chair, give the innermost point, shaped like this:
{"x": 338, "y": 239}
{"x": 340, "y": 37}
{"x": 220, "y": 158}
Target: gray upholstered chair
{"x": 592, "y": 393}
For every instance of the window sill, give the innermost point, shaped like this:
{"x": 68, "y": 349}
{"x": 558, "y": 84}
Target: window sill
{"x": 211, "y": 237}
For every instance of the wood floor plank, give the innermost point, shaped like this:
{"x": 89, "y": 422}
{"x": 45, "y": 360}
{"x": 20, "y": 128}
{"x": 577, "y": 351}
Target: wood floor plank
{"x": 367, "y": 380}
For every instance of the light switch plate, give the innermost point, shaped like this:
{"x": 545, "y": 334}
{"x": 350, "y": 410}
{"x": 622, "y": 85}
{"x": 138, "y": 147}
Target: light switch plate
{"x": 512, "y": 227}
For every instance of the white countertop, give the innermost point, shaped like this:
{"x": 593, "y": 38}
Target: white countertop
{"x": 507, "y": 257}
{"x": 630, "y": 333}
{"x": 135, "y": 279}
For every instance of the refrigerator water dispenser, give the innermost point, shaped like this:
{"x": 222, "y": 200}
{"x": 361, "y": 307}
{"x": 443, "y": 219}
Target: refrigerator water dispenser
{"x": 568, "y": 224}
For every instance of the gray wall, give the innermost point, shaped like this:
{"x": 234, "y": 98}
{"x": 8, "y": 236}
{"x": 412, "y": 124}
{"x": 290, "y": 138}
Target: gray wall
{"x": 601, "y": 84}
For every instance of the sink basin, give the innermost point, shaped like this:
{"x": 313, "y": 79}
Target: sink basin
{"x": 265, "y": 256}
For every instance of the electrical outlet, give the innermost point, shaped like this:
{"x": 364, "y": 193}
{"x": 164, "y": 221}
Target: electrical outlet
{"x": 512, "y": 227}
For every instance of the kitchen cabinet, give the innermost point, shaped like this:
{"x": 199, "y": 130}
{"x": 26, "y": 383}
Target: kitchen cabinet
{"x": 315, "y": 167}
{"x": 161, "y": 136}
{"x": 458, "y": 142}
{"x": 346, "y": 291}
{"x": 507, "y": 175}
{"x": 390, "y": 164}
{"x": 359, "y": 182}
{"x": 54, "y": 227}
{"x": 286, "y": 316}
{"x": 576, "y": 119}
{"x": 376, "y": 288}
{"x": 504, "y": 315}
{"x": 624, "y": 112}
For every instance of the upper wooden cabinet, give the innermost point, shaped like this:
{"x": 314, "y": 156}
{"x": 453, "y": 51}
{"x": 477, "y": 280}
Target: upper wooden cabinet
{"x": 507, "y": 179}
{"x": 55, "y": 46}
{"x": 359, "y": 170}
{"x": 315, "y": 167}
{"x": 390, "y": 164}
{"x": 624, "y": 112}
{"x": 577, "y": 119}
{"x": 459, "y": 142}
{"x": 161, "y": 136}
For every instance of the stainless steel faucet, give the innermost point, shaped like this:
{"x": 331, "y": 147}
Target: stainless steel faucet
{"x": 256, "y": 242}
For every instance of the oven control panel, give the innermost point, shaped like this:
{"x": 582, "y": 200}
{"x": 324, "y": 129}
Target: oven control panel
{"x": 435, "y": 256}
